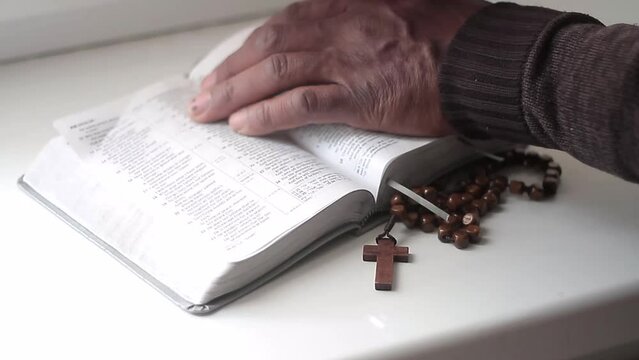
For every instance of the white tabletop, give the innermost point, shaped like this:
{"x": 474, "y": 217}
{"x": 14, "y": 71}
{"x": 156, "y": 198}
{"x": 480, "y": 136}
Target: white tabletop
{"x": 553, "y": 279}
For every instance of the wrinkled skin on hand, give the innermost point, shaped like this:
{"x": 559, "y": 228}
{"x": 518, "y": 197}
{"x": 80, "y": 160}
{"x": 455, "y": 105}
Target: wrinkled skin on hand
{"x": 371, "y": 64}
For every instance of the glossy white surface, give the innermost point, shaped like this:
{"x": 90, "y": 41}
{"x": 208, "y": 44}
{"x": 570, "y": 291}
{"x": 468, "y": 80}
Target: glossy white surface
{"x": 552, "y": 280}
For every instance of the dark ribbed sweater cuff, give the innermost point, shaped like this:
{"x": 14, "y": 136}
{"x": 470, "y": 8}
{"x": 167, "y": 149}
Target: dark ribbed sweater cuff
{"x": 481, "y": 76}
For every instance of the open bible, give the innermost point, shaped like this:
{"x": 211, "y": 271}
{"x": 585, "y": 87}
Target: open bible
{"x": 206, "y": 215}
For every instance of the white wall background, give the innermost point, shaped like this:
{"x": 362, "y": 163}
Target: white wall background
{"x": 35, "y": 27}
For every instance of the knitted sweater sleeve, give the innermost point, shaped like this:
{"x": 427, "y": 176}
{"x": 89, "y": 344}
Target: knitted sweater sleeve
{"x": 542, "y": 77}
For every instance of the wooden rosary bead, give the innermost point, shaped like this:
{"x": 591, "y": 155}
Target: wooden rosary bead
{"x": 466, "y": 208}
{"x": 460, "y": 186}
{"x": 445, "y": 233}
{"x": 444, "y": 225}
{"x": 428, "y": 222}
{"x": 502, "y": 181}
{"x": 454, "y": 220}
{"x": 430, "y": 193}
{"x": 491, "y": 199}
{"x": 552, "y": 173}
{"x": 410, "y": 219}
{"x": 474, "y": 190}
{"x": 461, "y": 239}
{"x": 495, "y": 192}
{"x": 398, "y": 210}
{"x": 517, "y": 187}
{"x": 454, "y": 201}
{"x": 535, "y": 193}
{"x": 471, "y": 218}
{"x": 545, "y": 158}
{"x": 554, "y": 166}
{"x": 473, "y": 233}
{"x": 482, "y": 180}
{"x": 480, "y": 205}
{"x": 397, "y": 200}
{"x": 499, "y": 182}
{"x": 550, "y": 185}
{"x": 466, "y": 198}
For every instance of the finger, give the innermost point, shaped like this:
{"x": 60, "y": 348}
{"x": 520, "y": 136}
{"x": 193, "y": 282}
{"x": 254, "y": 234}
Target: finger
{"x": 265, "y": 41}
{"x": 294, "y": 108}
{"x": 271, "y": 76}
{"x": 309, "y": 10}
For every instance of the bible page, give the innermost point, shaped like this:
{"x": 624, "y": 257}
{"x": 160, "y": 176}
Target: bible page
{"x": 240, "y": 192}
{"x": 175, "y": 254}
{"x": 361, "y": 155}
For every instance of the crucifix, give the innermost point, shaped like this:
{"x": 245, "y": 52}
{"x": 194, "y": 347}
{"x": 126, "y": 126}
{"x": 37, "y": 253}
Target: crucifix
{"x": 385, "y": 253}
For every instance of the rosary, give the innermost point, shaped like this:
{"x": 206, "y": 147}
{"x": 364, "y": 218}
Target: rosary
{"x": 466, "y": 194}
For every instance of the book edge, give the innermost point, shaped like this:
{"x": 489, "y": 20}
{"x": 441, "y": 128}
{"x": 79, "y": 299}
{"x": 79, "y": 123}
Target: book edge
{"x": 189, "y": 307}
{"x": 145, "y": 276}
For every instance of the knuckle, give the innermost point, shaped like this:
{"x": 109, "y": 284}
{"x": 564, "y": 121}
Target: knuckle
{"x": 263, "y": 118}
{"x": 269, "y": 38}
{"x": 330, "y": 62}
{"x": 227, "y": 91}
{"x": 307, "y": 102}
{"x": 278, "y": 66}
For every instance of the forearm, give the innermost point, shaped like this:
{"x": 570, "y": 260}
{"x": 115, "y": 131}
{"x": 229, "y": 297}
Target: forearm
{"x": 547, "y": 78}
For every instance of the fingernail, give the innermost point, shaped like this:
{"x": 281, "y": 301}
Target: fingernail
{"x": 237, "y": 122}
{"x": 200, "y": 104}
{"x": 209, "y": 80}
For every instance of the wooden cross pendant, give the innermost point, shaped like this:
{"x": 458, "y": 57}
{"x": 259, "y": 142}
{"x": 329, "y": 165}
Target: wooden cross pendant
{"x": 385, "y": 253}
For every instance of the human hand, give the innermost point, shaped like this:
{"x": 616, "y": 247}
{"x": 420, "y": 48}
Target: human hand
{"x": 371, "y": 64}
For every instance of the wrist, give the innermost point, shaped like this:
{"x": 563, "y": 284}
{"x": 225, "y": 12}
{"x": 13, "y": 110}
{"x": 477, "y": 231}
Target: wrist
{"x": 481, "y": 77}
{"x": 464, "y": 10}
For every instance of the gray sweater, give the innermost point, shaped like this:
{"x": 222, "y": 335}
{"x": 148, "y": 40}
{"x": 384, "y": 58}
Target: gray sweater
{"x": 542, "y": 77}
